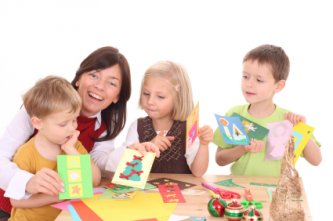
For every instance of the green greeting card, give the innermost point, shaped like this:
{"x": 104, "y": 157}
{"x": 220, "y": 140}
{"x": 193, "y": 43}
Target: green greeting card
{"x": 253, "y": 130}
{"x": 75, "y": 172}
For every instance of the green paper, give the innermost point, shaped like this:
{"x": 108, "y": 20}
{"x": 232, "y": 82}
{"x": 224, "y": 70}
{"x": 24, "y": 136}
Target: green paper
{"x": 228, "y": 183}
{"x": 253, "y": 130}
{"x": 75, "y": 172}
{"x": 262, "y": 184}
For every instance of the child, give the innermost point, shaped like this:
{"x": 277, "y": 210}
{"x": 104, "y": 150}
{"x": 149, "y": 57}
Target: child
{"x": 166, "y": 96}
{"x": 53, "y": 106}
{"x": 265, "y": 71}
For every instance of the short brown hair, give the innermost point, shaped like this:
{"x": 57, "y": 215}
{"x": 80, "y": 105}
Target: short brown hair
{"x": 49, "y": 95}
{"x": 272, "y": 55}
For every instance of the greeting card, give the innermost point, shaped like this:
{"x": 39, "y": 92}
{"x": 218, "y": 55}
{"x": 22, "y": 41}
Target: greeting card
{"x": 192, "y": 126}
{"x": 134, "y": 168}
{"x": 75, "y": 172}
{"x": 232, "y": 130}
{"x": 301, "y": 134}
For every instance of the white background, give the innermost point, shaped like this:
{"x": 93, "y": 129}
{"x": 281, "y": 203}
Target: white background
{"x": 209, "y": 38}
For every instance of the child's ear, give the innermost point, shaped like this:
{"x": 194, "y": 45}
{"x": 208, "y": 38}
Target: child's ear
{"x": 36, "y": 122}
{"x": 280, "y": 85}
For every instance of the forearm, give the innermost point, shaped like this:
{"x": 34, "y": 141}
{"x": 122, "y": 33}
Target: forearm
{"x": 36, "y": 200}
{"x": 200, "y": 163}
{"x": 312, "y": 153}
{"x": 226, "y": 156}
{"x": 96, "y": 174}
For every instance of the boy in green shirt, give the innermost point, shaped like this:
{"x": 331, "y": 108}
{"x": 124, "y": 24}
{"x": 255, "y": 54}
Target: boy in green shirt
{"x": 265, "y": 71}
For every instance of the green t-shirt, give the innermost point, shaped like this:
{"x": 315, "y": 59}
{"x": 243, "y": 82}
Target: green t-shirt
{"x": 253, "y": 164}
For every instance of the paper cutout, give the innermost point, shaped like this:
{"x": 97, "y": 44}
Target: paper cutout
{"x": 144, "y": 205}
{"x": 192, "y": 126}
{"x": 278, "y": 137}
{"x": 301, "y": 134}
{"x": 64, "y": 204}
{"x": 75, "y": 172}
{"x": 171, "y": 193}
{"x": 228, "y": 183}
{"x": 232, "y": 130}
{"x": 262, "y": 184}
{"x": 134, "y": 168}
{"x": 182, "y": 185}
{"x": 253, "y": 130}
{"x": 108, "y": 194}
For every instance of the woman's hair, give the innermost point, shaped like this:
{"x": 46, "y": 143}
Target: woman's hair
{"x": 272, "y": 55}
{"x": 49, "y": 95}
{"x": 114, "y": 116}
{"x": 180, "y": 83}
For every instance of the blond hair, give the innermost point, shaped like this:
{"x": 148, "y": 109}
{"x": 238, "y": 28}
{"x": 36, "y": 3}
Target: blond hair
{"x": 180, "y": 83}
{"x": 49, "y": 95}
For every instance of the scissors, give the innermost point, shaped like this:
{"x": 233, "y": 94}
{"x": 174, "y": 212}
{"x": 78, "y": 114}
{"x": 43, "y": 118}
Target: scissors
{"x": 224, "y": 194}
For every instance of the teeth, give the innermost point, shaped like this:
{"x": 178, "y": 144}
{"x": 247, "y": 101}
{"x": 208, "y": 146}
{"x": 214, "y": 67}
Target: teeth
{"x": 96, "y": 96}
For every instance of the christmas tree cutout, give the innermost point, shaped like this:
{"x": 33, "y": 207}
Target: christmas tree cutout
{"x": 134, "y": 168}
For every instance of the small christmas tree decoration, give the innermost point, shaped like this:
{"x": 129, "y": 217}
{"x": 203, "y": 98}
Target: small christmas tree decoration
{"x": 252, "y": 214}
{"x": 216, "y": 207}
{"x": 286, "y": 202}
{"x": 234, "y": 211}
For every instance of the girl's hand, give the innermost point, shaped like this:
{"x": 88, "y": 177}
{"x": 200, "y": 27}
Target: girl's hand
{"x": 68, "y": 146}
{"x": 145, "y": 147}
{"x": 294, "y": 118}
{"x": 255, "y": 146}
{"x": 205, "y": 135}
{"x": 161, "y": 141}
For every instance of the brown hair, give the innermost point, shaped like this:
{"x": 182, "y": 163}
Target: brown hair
{"x": 272, "y": 55}
{"x": 49, "y": 95}
{"x": 114, "y": 116}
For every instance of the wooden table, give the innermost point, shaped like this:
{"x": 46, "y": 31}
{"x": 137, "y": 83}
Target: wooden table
{"x": 196, "y": 205}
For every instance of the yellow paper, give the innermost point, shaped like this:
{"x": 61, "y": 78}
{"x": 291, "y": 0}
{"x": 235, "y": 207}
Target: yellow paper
{"x": 142, "y": 206}
{"x": 301, "y": 134}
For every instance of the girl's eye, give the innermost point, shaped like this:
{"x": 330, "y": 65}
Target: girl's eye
{"x": 112, "y": 84}
{"x": 93, "y": 75}
{"x": 260, "y": 81}
{"x": 145, "y": 94}
{"x": 161, "y": 97}
{"x": 245, "y": 77}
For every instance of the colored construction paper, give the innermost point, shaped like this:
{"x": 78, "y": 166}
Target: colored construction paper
{"x": 64, "y": 204}
{"x": 301, "y": 134}
{"x": 192, "y": 126}
{"x": 232, "y": 130}
{"x": 144, "y": 205}
{"x": 75, "y": 216}
{"x": 171, "y": 193}
{"x": 85, "y": 213}
{"x": 75, "y": 172}
{"x": 253, "y": 130}
{"x": 278, "y": 137}
{"x": 182, "y": 185}
{"x": 134, "y": 168}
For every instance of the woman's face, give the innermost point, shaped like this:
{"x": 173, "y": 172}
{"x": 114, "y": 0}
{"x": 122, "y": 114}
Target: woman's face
{"x": 98, "y": 89}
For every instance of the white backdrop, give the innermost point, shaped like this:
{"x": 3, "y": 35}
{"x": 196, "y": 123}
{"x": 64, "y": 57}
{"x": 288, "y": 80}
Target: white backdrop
{"x": 209, "y": 38}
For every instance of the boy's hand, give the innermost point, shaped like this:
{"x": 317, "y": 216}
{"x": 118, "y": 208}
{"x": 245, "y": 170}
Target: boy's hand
{"x": 145, "y": 147}
{"x": 68, "y": 146}
{"x": 161, "y": 141}
{"x": 205, "y": 135}
{"x": 45, "y": 181}
{"x": 255, "y": 146}
{"x": 294, "y": 118}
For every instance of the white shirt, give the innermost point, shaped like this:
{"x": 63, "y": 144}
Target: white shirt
{"x": 14, "y": 180}
{"x": 133, "y": 137}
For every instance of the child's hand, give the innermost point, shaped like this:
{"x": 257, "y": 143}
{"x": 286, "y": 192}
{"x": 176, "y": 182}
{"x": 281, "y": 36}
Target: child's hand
{"x": 161, "y": 141}
{"x": 68, "y": 146}
{"x": 145, "y": 147}
{"x": 294, "y": 118}
{"x": 255, "y": 146}
{"x": 205, "y": 135}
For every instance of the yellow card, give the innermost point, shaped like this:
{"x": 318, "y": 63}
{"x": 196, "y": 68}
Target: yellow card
{"x": 134, "y": 168}
{"x": 301, "y": 134}
{"x": 192, "y": 126}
